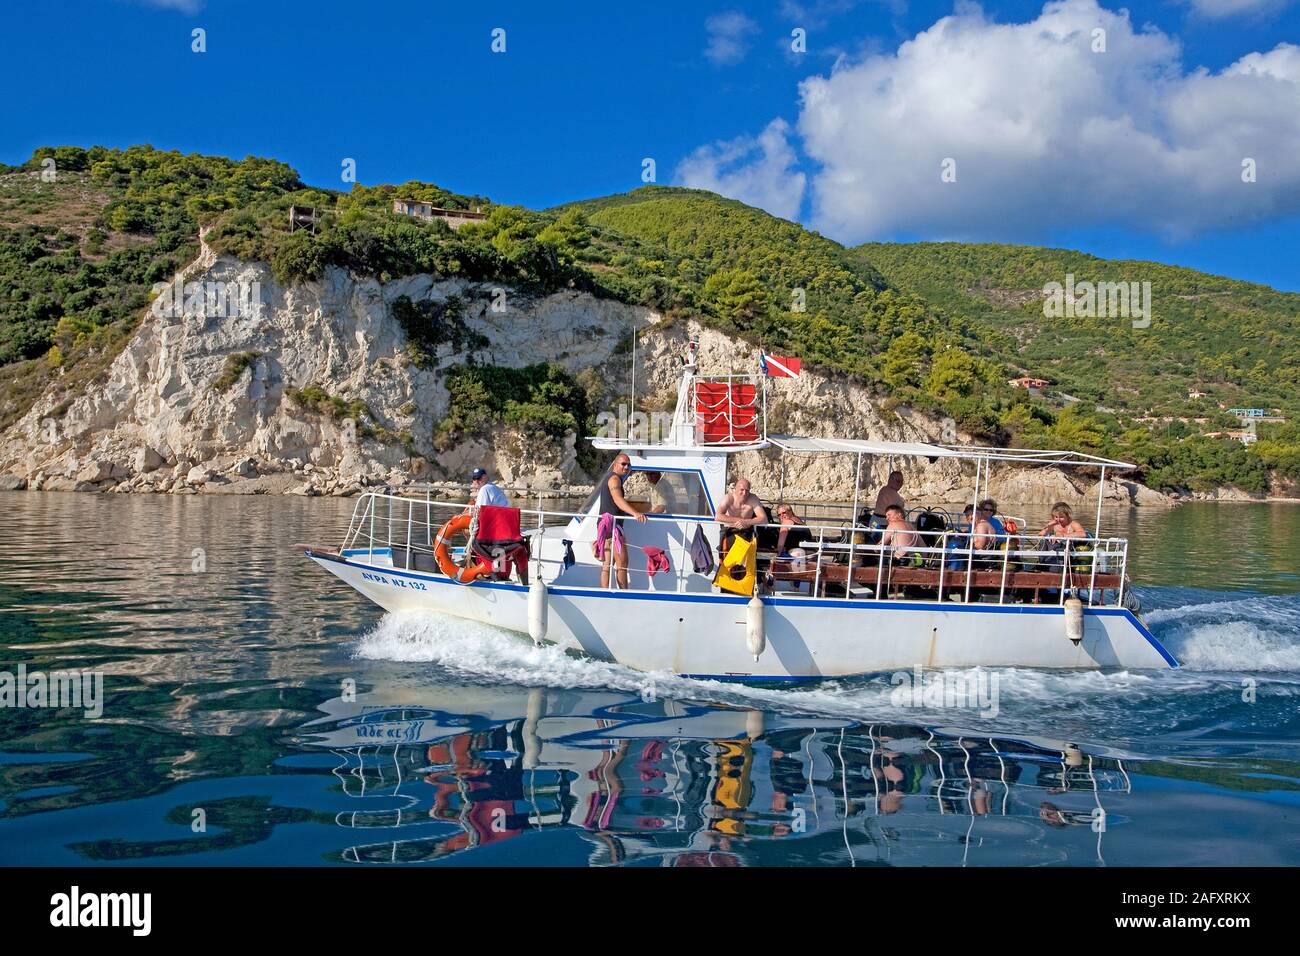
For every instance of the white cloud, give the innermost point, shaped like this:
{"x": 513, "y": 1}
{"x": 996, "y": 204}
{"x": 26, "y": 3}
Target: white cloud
{"x": 758, "y": 171}
{"x": 1219, "y": 9}
{"x": 729, "y": 35}
{"x": 1045, "y": 132}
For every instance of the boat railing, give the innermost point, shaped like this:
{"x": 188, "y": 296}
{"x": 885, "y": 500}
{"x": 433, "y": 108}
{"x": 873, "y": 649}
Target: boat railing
{"x": 829, "y": 512}
{"x": 845, "y": 561}
{"x": 380, "y": 519}
{"x": 949, "y": 555}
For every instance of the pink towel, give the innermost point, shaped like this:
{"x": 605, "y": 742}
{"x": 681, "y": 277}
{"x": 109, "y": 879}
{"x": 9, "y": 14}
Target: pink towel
{"x": 606, "y": 528}
{"x": 655, "y": 560}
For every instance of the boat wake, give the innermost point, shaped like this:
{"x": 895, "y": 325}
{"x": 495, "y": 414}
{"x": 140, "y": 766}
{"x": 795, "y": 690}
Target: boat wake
{"x": 1250, "y": 634}
{"x": 1066, "y": 704}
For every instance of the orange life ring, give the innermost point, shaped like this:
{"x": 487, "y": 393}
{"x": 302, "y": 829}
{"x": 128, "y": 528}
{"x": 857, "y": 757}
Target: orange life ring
{"x": 442, "y": 553}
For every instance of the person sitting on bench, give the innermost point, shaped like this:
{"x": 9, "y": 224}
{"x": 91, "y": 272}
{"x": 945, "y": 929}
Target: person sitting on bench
{"x": 976, "y": 533}
{"x": 1062, "y": 524}
{"x": 982, "y": 532}
{"x": 900, "y": 535}
{"x": 792, "y": 534}
{"x": 989, "y": 510}
{"x": 1057, "y": 533}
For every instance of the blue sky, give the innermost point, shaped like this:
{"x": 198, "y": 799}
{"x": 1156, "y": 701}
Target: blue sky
{"x": 1132, "y": 151}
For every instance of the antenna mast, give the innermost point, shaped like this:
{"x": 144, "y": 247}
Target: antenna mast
{"x": 632, "y": 411}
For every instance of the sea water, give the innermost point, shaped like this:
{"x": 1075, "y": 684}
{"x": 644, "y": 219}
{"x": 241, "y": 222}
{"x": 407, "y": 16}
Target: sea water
{"x": 255, "y": 710}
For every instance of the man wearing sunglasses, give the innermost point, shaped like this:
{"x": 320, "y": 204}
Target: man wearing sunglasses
{"x": 791, "y": 535}
{"x": 612, "y": 502}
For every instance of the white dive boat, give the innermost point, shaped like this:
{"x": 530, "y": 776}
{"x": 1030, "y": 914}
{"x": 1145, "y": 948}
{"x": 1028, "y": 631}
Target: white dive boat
{"x": 838, "y": 606}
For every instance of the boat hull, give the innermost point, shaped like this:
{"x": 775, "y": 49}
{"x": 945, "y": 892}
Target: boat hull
{"x": 704, "y": 635}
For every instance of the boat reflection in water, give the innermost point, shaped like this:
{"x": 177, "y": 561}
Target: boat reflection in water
{"x": 629, "y": 780}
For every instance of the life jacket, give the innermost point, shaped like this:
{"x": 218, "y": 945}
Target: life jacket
{"x": 738, "y": 571}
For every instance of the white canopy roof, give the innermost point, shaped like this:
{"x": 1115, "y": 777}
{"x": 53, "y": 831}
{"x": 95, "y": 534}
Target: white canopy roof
{"x": 902, "y": 449}
{"x": 854, "y": 446}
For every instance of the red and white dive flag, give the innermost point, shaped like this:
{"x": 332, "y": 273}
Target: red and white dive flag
{"x": 776, "y": 366}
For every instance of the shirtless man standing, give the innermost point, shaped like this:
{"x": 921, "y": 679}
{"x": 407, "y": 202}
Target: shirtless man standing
{"x": 889, "y": 496}
{"x": 739, "y": 511}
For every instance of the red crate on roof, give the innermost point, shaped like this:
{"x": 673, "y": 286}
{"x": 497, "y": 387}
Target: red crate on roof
{"x": 727, "y": 413}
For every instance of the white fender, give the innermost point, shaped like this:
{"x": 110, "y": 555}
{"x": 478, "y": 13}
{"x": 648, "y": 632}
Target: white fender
{"x": 1074, "y": 619}
{"x": 755, "y": 638}
{"x": 537, "y": 603}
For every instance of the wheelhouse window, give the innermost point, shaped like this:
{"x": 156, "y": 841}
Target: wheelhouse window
{"x": 660, "y": 492}
{"x": 668, "y": 492}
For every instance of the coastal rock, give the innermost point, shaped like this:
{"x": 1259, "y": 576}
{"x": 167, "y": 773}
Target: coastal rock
{"x": 1133, "y": 493}
{"x": 146, "y": 460}
{"x": 12, "y": 483}
{"x": 95, "y": 470}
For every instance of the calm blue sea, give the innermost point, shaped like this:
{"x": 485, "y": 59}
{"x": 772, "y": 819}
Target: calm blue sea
{"x": 227, "y": 735}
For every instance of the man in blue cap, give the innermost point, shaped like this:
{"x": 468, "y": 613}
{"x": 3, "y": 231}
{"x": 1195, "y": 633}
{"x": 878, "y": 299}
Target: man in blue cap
{"x": 485, "y": 492}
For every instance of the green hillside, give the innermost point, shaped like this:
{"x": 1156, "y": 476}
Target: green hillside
{"x": 1237, "y": 342}
{"x": 774, "y": 282}
{"x": 938, "y": 326}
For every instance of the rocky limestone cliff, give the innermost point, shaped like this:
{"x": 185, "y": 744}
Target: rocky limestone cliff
{"x": 160, "y": 422}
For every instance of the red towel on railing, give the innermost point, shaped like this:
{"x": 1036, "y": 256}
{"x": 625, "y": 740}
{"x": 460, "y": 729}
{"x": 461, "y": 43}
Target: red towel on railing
{"x": 655, "y": 560}
{"x": 498, "y": 524}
